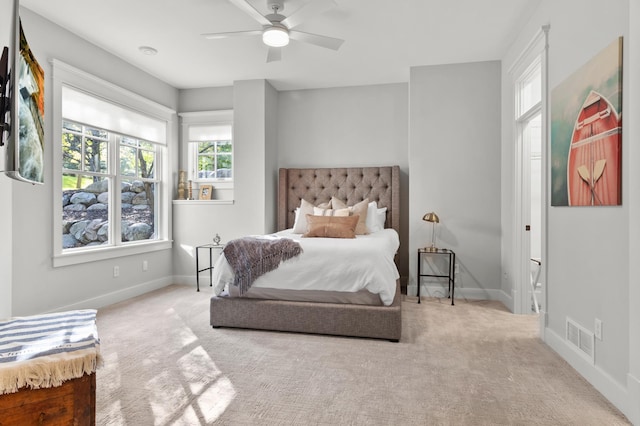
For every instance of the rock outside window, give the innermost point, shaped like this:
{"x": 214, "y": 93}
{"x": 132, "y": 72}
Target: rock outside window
{"x": 205, "y": 192}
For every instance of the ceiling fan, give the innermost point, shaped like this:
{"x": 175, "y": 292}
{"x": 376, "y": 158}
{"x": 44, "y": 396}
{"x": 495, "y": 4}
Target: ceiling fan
{"x": 277, "y": 29}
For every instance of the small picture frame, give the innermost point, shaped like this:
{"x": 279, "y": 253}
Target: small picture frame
{"x": 205, "y": 192}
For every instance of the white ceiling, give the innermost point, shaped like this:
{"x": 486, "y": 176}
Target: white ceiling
{"x": 383, "y": 38}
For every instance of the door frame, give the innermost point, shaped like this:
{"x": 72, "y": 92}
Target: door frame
{"x": 522, "y": 197}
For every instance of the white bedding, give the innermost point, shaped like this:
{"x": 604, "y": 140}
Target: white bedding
{"x": 335, "y": 264}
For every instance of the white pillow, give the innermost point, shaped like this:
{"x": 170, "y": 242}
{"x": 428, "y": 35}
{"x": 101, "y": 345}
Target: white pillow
{"x": 375, "y": 217}
{"x": 300, "y": 224}
{"x": 317, "y": 211}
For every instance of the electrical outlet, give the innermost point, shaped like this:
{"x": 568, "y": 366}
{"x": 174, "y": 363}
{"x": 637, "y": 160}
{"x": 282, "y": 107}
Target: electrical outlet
{"x": 598, "y": 329}
{"x": 116, "y": 271}
{"x": 145, "y": 265}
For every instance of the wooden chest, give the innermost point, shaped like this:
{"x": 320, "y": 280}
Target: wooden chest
{"x": 72, "y": 403}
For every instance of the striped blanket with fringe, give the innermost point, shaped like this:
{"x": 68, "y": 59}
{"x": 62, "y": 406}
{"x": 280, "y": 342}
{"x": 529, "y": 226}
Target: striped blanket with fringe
{"x": 43, "y": 351}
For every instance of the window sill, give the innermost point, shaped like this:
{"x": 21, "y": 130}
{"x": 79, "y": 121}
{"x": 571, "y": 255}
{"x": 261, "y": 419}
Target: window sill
{"x": 202, "y": 202}
{"x": 97, "y": 254}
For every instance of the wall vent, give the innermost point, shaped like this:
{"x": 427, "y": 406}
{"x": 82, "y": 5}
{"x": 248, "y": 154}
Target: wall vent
{"x": 581, "y": 340}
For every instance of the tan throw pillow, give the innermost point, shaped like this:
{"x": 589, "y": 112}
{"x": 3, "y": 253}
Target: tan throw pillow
{"x": 337, "y": 204}
{"x": 360, "y": 210}
{"x": 331, "y": 226}
{"x": 317, "y": 211}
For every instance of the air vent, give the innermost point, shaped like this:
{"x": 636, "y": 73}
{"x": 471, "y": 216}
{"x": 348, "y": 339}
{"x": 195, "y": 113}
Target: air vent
{"x": 581, "y": 340}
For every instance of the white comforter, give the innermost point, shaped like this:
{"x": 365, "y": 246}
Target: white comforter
{"x": 335, "y": 264}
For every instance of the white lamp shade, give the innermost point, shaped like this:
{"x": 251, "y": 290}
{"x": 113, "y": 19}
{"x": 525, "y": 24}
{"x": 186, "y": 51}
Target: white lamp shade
{"x": 275, "y": 36}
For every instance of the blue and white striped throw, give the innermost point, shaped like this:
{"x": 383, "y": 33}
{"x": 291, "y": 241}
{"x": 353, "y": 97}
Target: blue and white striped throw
{"x": 42, "y": 351}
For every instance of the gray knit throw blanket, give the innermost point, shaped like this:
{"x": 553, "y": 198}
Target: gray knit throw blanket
{"x": 251, "y": 257}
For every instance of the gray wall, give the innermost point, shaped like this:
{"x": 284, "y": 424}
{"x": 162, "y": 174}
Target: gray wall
{"x": 454, "y": 158}
{"x": 632, "y": 127}
{"x": 350, "y": 126}
{"x": 6, "y": 185}
{"x": 36, "y": 286}
{"x": 254, "y": 203}
{"x": 591, "y": 272}
{"x": 271, "y": 159}
{"x": 205, "y": 99}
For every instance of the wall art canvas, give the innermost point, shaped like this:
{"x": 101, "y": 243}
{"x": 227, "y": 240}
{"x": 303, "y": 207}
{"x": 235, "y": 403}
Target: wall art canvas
{"x": 586, "y": 133}
{"x": 30, "y": 95}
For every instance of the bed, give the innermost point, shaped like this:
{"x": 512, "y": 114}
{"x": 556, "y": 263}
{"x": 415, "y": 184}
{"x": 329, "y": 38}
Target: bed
{"x": 317, "y": 186}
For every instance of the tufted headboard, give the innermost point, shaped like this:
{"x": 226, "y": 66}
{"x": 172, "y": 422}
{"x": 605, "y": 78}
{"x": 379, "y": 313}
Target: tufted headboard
{"x": 352, "y": 185}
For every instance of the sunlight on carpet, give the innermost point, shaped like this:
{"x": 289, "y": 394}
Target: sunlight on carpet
{"x": 474, "y": 363}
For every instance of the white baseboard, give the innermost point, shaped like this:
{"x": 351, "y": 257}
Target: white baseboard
{"x": 189, "y": 280}
{"x": 542, "y": 318}
{"x": 460, "y": 293}
{"x": 617, "y": 394}
{"x": 117, "y": 296}
{"x": 506, "y": 299}
{"x": 633, "y": 384}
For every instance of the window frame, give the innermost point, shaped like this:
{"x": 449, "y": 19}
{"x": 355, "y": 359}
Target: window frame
{"x": 66, "y": 75}
{"x": 204, "y": 118}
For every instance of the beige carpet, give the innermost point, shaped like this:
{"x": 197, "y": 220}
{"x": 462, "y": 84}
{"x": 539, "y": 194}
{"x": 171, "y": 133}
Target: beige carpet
{"x": 469, "y": 364}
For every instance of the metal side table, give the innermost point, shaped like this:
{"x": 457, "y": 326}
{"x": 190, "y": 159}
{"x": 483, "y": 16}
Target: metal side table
{"x": 210, "y": 247}
{"x": 451, "y": 276}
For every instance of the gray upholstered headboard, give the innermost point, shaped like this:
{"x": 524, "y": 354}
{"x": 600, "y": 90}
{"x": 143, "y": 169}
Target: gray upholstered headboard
{"x": 352, "y": 185}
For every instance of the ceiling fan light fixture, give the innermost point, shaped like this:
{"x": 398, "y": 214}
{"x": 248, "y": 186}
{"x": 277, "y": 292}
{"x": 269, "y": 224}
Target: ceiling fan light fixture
{"x": 275, "y": 36}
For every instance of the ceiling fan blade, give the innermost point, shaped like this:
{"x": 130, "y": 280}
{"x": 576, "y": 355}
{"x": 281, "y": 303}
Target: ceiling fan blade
{"x": 251, "y": 11}
{"x": 318, "y": 40}
{"x": 307, "y": 11}
{"x": 213, "y": 36}
{"x": 275, "y": 54}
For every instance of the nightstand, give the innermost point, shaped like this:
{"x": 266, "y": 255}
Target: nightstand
{"x": 451, "y": 276}
{"x": 210, "y": 247}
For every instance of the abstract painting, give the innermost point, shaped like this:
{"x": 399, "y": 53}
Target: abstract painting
{"x": 30, "y": 95}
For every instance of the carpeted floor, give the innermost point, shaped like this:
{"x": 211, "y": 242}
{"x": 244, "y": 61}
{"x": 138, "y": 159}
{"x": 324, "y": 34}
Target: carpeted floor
{"x": 469, "y": 364}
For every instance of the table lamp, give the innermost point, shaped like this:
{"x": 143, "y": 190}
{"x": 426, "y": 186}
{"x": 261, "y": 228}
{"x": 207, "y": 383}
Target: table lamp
{"x": 433, "y": 218}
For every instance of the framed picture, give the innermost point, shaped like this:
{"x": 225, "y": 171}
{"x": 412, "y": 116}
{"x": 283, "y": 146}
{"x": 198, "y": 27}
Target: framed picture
{"x": 205, "y": 192}
{"x": 586, "y": 133}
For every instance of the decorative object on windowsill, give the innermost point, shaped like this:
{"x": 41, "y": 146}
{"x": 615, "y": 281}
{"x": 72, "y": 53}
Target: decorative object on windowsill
{"x": 433, "y": 218}
{"x": 216, "y": 239}
{"x": 182, "y": 184}
{"x": 190, "y": 197}
{"x": 205, "y": 192}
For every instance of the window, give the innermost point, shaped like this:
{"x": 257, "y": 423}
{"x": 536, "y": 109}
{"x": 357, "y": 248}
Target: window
{"x": 89, "y": 187}
{"x": 213, "y": 159}
{"x": 209, "y": 136}
{"x": 113, "y": 181}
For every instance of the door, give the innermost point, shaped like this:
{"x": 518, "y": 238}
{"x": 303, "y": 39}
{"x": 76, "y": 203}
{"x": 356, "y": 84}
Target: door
{"x": 529, "y": 188}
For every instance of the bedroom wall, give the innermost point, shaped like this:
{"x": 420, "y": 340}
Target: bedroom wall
{"x": 589, "y": 250}
{"x": 36, "y": 285}
{"x": 271, "y": 158}
{"x": 454, "y": 158}
{"x": 6, "y": 276}
{"x": 349, "y": 126}
{"x": 253, "y": 208}
{"x": 633, "y": 129}
{"x": 200, "y": 100}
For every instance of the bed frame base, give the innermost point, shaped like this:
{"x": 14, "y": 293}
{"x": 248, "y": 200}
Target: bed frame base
{"x": 378, "y": 322}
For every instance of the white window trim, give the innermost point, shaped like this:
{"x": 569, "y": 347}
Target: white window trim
{"x": 64, "y": 74}
{"x": 205, "y": 118}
